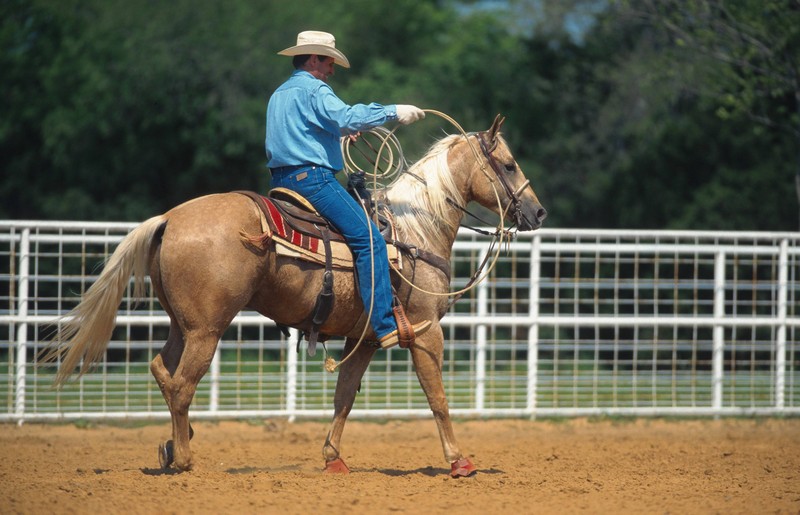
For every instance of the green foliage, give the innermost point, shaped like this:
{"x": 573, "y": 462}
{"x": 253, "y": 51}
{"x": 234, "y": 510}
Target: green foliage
{"x": 642, "y": 144}
{"x": 652, "y": 114}
{"x": 739, "y": 60}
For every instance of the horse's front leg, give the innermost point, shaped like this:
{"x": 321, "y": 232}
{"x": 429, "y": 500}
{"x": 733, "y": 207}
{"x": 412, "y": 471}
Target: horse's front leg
{"x": 428, "y": 354}
{"x": 350, "y": 374}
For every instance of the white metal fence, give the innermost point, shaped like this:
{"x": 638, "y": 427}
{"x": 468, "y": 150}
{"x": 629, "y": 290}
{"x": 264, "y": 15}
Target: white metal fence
{"x": 571, "y": 322}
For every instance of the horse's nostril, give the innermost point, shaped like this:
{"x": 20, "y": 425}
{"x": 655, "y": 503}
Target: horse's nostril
{"x": 541, "y": 214}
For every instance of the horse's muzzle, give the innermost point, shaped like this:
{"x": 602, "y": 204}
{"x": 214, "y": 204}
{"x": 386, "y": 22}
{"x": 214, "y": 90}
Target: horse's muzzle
{"x": 531, "y": 217}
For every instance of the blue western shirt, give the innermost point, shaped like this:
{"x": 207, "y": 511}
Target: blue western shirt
{"x": 305, "y": 120}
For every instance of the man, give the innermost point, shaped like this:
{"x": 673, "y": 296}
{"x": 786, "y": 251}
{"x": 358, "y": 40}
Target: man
{"x": 305, "y": 120}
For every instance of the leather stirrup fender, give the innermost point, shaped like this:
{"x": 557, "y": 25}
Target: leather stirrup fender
{"x": 324, "y": 304}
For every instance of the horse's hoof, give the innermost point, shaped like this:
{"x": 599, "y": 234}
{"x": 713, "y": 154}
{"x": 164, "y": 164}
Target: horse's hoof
{"x": 336, "y": 466}
{"x": 166, "y": 454}
{"x": 462, "y": 468}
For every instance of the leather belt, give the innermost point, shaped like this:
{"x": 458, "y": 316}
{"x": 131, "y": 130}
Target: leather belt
{"x": 289, "y": 169}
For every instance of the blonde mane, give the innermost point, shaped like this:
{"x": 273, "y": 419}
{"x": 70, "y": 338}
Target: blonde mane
{"x": 421, "y": 208}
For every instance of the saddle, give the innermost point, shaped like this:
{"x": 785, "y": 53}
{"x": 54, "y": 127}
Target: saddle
{"x": 297, "y": 230}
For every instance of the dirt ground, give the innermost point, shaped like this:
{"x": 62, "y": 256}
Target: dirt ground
{"x": 272, "y": 466}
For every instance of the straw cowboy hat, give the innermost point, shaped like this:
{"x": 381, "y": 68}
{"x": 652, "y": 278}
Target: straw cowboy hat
{"x": 312, "y": 42}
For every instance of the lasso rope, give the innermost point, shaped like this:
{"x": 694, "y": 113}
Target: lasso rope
{"x": 330, "y": 364}
{"x": 390, "y": 142}
{"x": 389, "y": 137}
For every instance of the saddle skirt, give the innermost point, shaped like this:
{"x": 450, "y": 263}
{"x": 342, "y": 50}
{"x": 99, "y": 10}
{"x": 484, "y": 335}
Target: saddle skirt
{"x": 298, "y": 231}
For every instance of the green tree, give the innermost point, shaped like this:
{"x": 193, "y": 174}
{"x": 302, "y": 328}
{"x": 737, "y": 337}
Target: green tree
{"x": 30, "y": 39}
{"x": 634, "y": 142}
{"x": 118, "y": 110}
{"x": 750, "y": 52}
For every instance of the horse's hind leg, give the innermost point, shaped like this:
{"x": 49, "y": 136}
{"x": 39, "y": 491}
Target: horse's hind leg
{"x": 163, "y": 367}
{"x": 178, "y": 373}
{"x": 350, "y": 374}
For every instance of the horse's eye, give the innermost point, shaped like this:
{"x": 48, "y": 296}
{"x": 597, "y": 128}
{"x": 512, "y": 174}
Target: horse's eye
{"x": 511, "y": 167}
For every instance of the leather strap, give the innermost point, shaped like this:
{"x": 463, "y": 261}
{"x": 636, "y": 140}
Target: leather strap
{"x": 432, "y": 259}
{"x": 325, "y": 298}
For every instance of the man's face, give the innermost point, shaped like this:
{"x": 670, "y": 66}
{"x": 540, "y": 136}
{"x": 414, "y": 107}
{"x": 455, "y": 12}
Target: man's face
{"x": 321, "y": 67}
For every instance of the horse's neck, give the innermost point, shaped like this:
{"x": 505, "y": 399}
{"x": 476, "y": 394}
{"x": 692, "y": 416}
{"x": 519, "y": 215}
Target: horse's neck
{"x": 440, "y": 240}
{"x": 422, "y": 205}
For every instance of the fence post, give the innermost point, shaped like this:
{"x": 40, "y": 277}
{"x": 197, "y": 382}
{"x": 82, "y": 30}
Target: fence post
{"x": 291, "y": 373}
{"x": 533, "y": 330}
{"x": 780, "y": 343}
{"x": 213, "y": 395}
{"x": 22, "y": 330}
{"x": 480, "y": 356}
{"x": 718, "y": 353}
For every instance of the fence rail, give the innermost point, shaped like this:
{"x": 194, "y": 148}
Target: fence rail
{"x": 571, "y": 322}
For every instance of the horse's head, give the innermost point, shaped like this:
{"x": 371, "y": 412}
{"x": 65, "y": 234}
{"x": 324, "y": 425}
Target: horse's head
{"x": 429, "y": 200}
{"x": 500, "y": 177}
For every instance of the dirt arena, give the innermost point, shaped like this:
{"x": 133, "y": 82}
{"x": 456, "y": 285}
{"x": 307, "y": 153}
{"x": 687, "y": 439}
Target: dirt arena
{"x": 566, "y": 466}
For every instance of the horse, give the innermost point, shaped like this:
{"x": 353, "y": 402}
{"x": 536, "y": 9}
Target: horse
{"x": 204, "y": 272}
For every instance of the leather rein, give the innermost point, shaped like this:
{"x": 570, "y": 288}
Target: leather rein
{"x": 514, "y": 202}
{"x": 511, "y": 209}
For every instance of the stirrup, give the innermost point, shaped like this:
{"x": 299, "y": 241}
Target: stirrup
{"x": 393, "y": 338}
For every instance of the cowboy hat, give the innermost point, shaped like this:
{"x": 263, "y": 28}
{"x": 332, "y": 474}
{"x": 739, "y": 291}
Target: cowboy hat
{"x": 312, "y": 42}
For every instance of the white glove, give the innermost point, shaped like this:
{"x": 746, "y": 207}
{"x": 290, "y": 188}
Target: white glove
{"x": 407, "y": 114}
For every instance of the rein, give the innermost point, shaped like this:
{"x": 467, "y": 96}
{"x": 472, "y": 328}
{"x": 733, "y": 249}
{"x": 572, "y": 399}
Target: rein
{"x": 482, "y": 157}
{"x": 458, "y": 206}
{"x": 401, "y": 167}
{"x": 513, "y": 195}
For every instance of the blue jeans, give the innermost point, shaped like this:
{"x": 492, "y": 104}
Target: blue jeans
{"x": 320, "y": 187}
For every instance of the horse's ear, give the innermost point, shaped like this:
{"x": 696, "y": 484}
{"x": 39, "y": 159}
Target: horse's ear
{"x": 495, "y": 128}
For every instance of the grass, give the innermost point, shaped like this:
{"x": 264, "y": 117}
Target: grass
{"x": 257, "y": 379}
{"x": 253, "y": 385}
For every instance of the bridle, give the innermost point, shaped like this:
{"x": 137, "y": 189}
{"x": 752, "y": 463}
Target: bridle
{"x": 514, "y": 201}
{"x": 512, "y": 207}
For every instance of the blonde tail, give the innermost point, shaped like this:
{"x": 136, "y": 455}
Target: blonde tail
{"x": 84, "y": 332}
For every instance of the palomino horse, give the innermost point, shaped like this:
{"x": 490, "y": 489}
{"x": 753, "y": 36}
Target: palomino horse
{"x": 204, "y": 273}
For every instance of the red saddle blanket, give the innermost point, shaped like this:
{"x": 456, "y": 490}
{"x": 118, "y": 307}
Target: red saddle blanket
{"x": 298, "y": 233}
{"x": 284, "y": 231}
